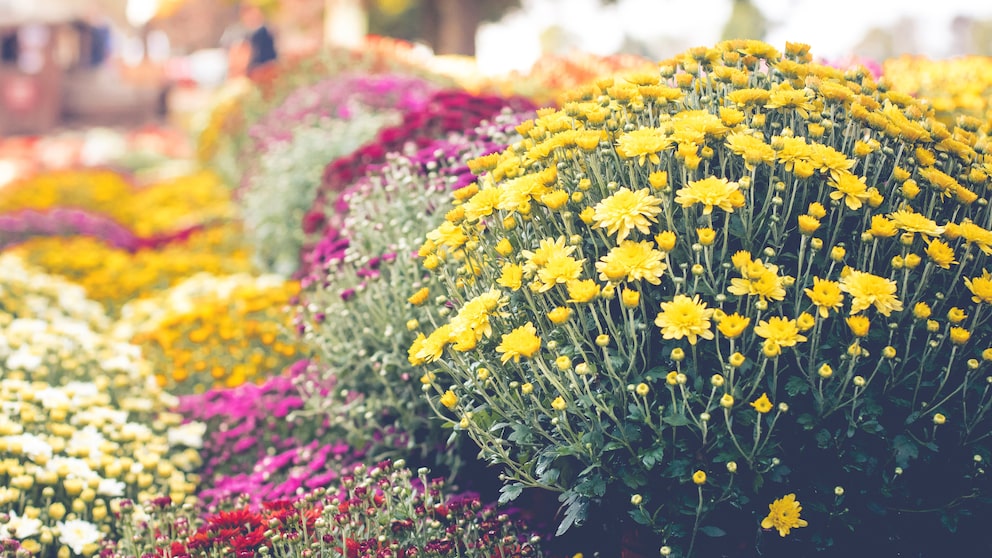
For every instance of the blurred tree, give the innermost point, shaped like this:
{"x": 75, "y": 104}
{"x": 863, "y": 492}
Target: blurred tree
{"x": 746, "y": 22}
{"x": 447, "y": 26}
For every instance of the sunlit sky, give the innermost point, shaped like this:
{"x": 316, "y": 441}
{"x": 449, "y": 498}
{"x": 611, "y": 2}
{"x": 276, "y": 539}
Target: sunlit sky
{"x": 832, "y": 27}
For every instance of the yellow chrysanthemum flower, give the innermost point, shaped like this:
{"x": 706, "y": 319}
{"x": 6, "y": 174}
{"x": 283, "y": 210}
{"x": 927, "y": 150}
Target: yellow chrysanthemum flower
{"x": 685, "y": 317}
{"x": 908, "y": 220}
{"x": 632, "y": 261}
{"x": 711, "y": 192}
{"x": 980, "y": 287}
{"x": 941, "y": 253}
{"x": 559, "y": 270}
{"x": 783, "y": 515}
{"x": 851, "y": 189}
{"x": 733, "y": 325}
{"x": 779, "y": 331}
{"x": 867, "y": 290}
{"x": 826, "y": 296}
{"x": 859, "y": 325}
{"x": 582, "y": 291}
{"x": 511, "y": 277}
{"x": 627, "y": 210}
{"x": 521, "y": 342}
{"x": 762, "y": 404}
{"x": 643, "y": 144}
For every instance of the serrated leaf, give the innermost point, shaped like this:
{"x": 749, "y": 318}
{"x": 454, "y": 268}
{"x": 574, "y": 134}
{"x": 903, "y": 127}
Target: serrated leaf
{"x": 510, "y": 492}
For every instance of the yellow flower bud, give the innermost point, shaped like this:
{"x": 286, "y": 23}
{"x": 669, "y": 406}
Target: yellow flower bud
{"x": 727, "y": 401}
{"x": 449, "y": 399}
{"x": 666, "y": 241}
{"x": 630, "y": 298}
{"x": 563, "y": 363}
{"x": 642, "y": 389}
{"x": 939, "y": 419}
{"x": 737, "y": 359}
{"x": 699, "y": 477}
{"x": 825, "y": 371}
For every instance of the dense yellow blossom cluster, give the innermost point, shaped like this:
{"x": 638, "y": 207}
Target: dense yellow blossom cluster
{"x": 171, "y": 205}
{"x": 735, "y": 221}
{"x": 113, "y": 276}
{"x": 215, "y": 331}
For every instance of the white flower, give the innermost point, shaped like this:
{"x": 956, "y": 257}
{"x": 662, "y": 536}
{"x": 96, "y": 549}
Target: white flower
{"x": 53, "y": 398}
{"x": 135, "y": 431}
{"x": 76, "y": 533}
{"x": 23, "y": 359}
{"x": 189, "y": 435}
{"x": 111, "y": 487}
{"x": 73, "y": 467}
{"x": 99, "y": 415}
{"x": 23, "y": 527}
{"x": 86, "y": 442}
{"x": 32, "y": 446}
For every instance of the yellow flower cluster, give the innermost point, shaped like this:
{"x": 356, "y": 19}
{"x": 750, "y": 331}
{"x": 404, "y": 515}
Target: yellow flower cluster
{"x": 960, "y": 87}
{"x": 764, "y": 212}
{"x": 215, "y": 331}
{"x": 172, "y": 205}
{"x": 82, "y": 423}
{"x": 113, "y": 276}
{"x": 67, "y": 453}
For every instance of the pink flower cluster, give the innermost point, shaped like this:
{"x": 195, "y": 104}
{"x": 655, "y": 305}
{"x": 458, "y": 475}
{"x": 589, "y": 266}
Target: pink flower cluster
{"x": 259, "y": 444}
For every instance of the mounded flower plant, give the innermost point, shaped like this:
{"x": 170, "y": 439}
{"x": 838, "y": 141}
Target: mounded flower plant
{"x": 742, "y": 293}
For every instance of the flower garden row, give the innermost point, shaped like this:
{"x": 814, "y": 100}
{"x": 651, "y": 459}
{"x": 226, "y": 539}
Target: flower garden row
{"x": 731, "y": 303}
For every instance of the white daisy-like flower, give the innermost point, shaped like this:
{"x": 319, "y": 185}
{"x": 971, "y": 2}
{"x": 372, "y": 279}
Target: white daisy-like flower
{"x": 73, "y": 467}
{"x": 111, "y": 487}
{"x": 32, "y": 446}
{"x": 189, "y": 435}
{"x": 24, "y": 359}
{"x": 87, "y": 442}
{"x": 22, "y": 527}
{"x": 76, "y": 534}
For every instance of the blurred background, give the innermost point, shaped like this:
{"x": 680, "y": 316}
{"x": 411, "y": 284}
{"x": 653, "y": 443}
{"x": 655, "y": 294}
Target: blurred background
{"x": 74, "y": 64}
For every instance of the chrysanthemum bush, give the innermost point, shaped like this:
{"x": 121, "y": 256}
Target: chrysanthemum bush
{"x": 82, "y": 425}
{"x": 714, "y": 296}
{"x": 278, "y": 195}
{"x": 258, "y": 446}
{"x": 362, "y": 296}
{"x": 113, "y": 276}
{"x": 215, "y": 331}
{"x": 226, "y": 139}
{"x": 385, "y": 510}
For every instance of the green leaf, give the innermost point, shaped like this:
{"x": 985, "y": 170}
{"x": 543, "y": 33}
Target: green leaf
{"x": 711, "y": 531}
{"x": 905, "y": 450}
{"x": 676, "y": 420}
{"x": 509, "y": 492}
{"x": 796, "y": 385}
{"x": 575, "y": 511}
